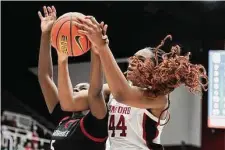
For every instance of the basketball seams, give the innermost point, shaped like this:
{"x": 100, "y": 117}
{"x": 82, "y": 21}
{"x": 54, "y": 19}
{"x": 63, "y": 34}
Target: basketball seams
{"x": 59, "y": 27}
{"x": 71, "y": 37}
{"x": 64, "y": 27}
{"x": 57, "y": 43}
{"x": 78, "y": 45}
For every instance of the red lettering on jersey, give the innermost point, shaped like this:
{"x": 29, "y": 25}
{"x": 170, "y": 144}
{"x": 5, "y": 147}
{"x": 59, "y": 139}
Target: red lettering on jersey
{"x": 115, "y": 109}
{"x": 128, "y": 110}
{"x": 112, "y": 109}
{"x": 120, "y": 109}
{"x": 121, "y": 125}
{"x": 125, "y": 110}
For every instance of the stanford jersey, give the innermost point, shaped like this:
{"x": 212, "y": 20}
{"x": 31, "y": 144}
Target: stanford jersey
{"x": 131, "y": 128}
{"x": 79, "y": 132}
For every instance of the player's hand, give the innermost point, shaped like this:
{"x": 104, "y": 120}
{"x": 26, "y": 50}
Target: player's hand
{"x": 49, "y": 18}
{"x": 104, "y": 27}
{"x": 95, "y": 32}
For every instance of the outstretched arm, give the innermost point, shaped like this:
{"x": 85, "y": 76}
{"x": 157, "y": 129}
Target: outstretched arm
{"x": 118, "y": 84}
{"x": 115, "y": 78}
{"x": 45, "y": 71}
{"x": 69, "y": 100}
{"x": 78, "y": 100}
{"x": 95, "y": 95}
{"x": 123, "y": 91}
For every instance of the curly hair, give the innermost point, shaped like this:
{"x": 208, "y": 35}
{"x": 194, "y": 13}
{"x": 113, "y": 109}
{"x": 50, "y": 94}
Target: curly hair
{"x": 167, "y": 71}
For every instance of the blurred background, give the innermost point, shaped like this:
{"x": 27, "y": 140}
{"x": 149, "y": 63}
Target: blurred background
{"x": 199, "y": 27}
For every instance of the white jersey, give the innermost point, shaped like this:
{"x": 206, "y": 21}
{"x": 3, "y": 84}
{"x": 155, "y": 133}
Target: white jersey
{"x": 131, "y": 128}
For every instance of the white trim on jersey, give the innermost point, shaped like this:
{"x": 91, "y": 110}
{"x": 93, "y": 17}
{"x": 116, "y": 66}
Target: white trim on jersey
{"x": 134, "y": 138}
{"x": 150, "y": 115}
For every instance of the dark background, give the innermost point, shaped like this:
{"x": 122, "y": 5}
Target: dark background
{"x": 197, "y": 26}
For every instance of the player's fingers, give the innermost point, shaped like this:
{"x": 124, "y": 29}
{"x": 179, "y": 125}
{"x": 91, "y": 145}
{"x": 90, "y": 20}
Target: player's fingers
{"x": 79, "y": 25}
{"x": 105, "y": 29}
{"x": 45, "y": 11}
{"x": 54, "y": 11}
{"x": 81, "y": 19}
{"x": 87, "y": 22}
{"x": 107, "y": 41}
{"x": 82, "y": 26}
{"x": 102, "y": 27}
{"x": 40, "y": 15}
{"x": 104, "y": 37}
{"x": 82, "y": 32}
{"x": 102, "y": 24}
{"x": 49, "y": 11}
{"x": 93, "y": 20}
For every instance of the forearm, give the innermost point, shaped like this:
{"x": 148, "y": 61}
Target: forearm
{"x": 114, "y": 76}
{"x": 95, "y": 95}
{"x": 45, "y": 68}
{"x": 65, "y": 87}
{"x": 96, "y": 76}
{"x": 45, "y": 59}
{"x": 45, "y": 73}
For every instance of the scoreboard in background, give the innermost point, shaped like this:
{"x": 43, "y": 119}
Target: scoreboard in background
{"x": 216, "y": 92}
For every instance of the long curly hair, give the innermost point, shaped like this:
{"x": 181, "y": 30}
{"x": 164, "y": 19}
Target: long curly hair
{"x": 166, "y": 71}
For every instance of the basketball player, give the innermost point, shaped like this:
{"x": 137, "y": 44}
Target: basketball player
{"x": 76, "y": 130}
{"x": 137, "y": 108}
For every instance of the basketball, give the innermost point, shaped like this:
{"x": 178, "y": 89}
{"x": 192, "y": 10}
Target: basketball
{"x": 65, "y": 37}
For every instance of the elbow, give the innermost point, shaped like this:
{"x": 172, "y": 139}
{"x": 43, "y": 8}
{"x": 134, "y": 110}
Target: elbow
{"x": 95, "y": 96}
{"x": 42, "y": 79}
{"x": 65, "y": 107}
{"x": 43, "y": 76}
{"x": 40, "y": 73}
{"x": 63, "y": 95}
{"x": 95, "y": 92}
{"x": 40, "y": 76}
{"x": 69, "y": 108}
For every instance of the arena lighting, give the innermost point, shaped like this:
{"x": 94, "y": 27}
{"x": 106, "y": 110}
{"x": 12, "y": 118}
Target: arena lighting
{"x": 216, "y": 92}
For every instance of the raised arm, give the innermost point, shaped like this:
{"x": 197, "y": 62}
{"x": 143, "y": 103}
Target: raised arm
{"x": 95, "y": 93}
{"x": 130, "y": 95}
{"x": 69, "y": 100}
{"x": 114, "y": 76}
{"x": 45, "y": 71}
{"x": 118, "y": 84}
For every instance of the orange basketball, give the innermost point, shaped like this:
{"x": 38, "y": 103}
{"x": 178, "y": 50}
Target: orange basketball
{"x": 66, "y": 39}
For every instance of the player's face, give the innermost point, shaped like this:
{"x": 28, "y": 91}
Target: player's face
{"x": 140, "y": 55}
{"x": 81, "y": 86}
